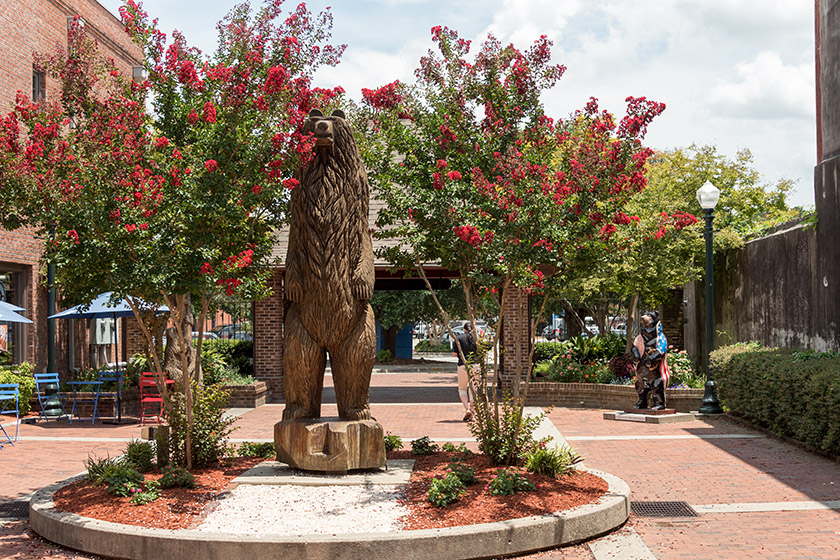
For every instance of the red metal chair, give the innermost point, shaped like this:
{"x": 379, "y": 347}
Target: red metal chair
{"x": 151, "y": 403}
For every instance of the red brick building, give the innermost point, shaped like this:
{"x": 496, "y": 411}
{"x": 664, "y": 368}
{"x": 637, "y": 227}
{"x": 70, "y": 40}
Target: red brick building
{"x": 28, "y": 27}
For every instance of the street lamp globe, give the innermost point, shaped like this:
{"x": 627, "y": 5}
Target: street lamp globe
{"x": 708, "y": 196}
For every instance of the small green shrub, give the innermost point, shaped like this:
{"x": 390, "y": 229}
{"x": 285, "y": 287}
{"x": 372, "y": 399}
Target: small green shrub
{"x": 464, "y": 473}
{"x": 505, "y": 437}
{"x": 383, "y": 356}
{"x": 426, "y": 346}
{"x": 423, "y": 446}
{"x": 210, "y": 430}
{"x": 22, "y": 375}
{"x": 551, "y": 461}
{"x": 623, "y": 365}
{"x": 147, "y": 494}
{"x": 544, "y": 351}
{"x": 123, "y": 481}
{"x": 462, "y": 448}
{"x": 265, "y": 450}
{"x": 176, "y": 477}
{"x": 140, "y": 454}
{"x": 227, "y": 361}
{"x": 393, "y": 442}
{"x": 445, "y": 491}
{"x": 508, "y": 481}
{"x": 682, "y": 371}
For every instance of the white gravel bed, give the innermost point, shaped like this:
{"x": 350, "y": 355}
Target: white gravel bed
{"x": 306, "y": 510}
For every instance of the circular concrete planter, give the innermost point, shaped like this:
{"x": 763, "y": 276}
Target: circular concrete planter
{"x": 516, "y": 536}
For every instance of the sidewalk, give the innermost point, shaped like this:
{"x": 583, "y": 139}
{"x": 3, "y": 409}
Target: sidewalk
{"x": 757, "y": 497}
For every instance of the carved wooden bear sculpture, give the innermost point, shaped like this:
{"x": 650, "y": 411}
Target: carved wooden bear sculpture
{"x": 329, "y": 277}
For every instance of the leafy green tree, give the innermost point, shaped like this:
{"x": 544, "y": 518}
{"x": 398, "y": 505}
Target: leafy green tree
{"x": 665, "y": 247}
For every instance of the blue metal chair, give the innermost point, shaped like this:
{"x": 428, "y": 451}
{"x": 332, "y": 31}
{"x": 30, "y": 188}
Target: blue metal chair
{"x": 108, "y": 377}
{"x": 9, "y": 398}
{"x": 47, "y": 389}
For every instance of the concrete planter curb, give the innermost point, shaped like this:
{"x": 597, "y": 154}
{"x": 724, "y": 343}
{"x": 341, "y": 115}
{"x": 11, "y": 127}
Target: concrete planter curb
{"x": 486, "y": 540}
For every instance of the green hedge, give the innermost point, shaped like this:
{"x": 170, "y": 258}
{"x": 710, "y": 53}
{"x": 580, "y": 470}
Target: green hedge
{"x": 22, "y": 375}
{"x": 795, "y": 394}
{"x": 544, "y": 351}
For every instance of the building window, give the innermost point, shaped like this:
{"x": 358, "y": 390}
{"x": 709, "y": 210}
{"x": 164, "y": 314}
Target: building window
{"x": 39, "y": 86}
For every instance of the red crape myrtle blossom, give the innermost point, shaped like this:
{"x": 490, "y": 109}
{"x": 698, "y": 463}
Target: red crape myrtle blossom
{"x": 151, "y": 205}
{"x": 487, "y": 183}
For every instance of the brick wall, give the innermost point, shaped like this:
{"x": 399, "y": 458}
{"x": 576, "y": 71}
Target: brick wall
{"x": 268, "y": 337}
{"x": 41, "y": 25}
{"x": 596, "y": 395}
{"x": 515, "y": 342}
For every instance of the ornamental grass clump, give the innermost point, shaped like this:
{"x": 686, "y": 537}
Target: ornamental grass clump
{"x": 140, "y": 454}
{"x": 445, "y": 491}
{"x": 551, "y": 461}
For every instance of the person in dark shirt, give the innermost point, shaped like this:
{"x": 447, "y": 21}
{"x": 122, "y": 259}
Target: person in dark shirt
{"x": 468, "y": 346}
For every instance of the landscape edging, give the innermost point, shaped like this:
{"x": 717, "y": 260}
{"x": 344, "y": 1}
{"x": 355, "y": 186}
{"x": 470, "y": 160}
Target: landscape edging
{"x": 516, "y": 536}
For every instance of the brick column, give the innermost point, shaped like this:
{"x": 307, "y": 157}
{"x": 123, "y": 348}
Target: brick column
{"x": 515, "y": 341}
{"x": 268, "y": 337}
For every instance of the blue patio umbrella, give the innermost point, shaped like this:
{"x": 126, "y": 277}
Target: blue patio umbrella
{"x": 10, "y": 307}
{"x": 9, "y": 316}
{"x": 102, "y": 308}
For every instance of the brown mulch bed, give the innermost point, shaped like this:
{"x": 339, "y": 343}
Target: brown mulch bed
{"x": 180, "y": 508}
{"x": 477, "y": 506}
{"x": 177, "y": 508}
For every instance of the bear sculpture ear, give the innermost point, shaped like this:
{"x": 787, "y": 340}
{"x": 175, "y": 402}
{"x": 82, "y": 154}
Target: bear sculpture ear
{"x": 315, "y": 113}
{"x": 339, "y": 113}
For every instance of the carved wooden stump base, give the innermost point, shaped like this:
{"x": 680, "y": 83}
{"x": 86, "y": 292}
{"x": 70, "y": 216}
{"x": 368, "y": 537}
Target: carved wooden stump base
{"x": 330, "y": 445}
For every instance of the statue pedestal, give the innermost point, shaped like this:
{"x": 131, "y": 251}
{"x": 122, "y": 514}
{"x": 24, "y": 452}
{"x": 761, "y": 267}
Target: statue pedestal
{"x": 650, "y": 412}
{"x": 330, "y": 445}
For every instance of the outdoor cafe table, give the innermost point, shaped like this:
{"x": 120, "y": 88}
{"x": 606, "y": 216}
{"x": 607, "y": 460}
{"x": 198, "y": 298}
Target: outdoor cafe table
{"x": 94, "y": 398}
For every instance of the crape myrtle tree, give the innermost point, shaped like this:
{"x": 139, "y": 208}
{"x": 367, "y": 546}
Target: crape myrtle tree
{"x": 466, "y": 159}
{"x": 181, "y": 202}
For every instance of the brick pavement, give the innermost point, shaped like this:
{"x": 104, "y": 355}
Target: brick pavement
{"x": 721, "y": 469}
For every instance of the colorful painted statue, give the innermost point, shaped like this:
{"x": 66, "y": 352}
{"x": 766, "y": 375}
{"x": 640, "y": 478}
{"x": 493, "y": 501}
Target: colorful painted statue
{"x": 652, "y": 374}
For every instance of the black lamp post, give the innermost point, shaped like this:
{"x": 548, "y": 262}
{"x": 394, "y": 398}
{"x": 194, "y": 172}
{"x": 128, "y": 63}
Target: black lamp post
{"x": 708, "y": 196}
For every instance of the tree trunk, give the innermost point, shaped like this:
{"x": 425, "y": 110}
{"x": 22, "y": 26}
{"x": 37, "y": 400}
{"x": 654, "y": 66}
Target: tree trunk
{"x": 631, "y": 321}
{"x": 389, "y": 340}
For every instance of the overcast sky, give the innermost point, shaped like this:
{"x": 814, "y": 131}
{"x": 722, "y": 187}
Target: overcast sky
{"x": 733, "y": 73}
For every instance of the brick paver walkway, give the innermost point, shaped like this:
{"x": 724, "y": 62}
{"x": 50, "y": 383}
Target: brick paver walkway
{"x": 706, "y": 462}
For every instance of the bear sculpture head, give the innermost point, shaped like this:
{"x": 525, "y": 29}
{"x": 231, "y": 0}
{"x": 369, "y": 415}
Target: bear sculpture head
{"x": 324, "y": 128}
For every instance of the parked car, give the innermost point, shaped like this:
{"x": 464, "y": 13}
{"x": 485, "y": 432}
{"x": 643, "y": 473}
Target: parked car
{"x": 484, "y": 329}
{"x": 548, "y": 333}
{"x": 207, "y": 335}
{"x": 241, "y": 331}
{"x": 420, "y": 331}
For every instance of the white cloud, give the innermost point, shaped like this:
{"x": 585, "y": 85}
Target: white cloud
{"x": 767, "y": 88}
